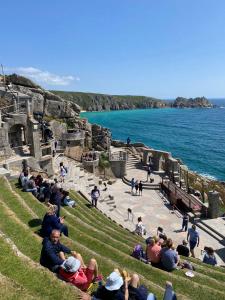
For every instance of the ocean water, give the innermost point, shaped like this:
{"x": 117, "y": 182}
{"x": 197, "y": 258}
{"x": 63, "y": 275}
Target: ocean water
{"x": 196, "y": 136}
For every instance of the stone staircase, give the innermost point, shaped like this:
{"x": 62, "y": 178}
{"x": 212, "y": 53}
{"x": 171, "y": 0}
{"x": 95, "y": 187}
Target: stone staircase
{"x": 80, "y": 180}
{"x": 133, "y": 162}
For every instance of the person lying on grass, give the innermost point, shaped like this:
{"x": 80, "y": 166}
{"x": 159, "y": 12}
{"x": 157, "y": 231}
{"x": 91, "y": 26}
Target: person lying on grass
{"x": 74, "y": 271}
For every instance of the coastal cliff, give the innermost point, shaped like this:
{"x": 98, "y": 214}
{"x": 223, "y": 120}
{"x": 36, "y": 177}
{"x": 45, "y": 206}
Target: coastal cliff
{"x": 99, "y": 102}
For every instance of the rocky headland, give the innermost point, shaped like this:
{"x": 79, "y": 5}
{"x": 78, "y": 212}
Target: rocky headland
{"x": 102, "y": 102}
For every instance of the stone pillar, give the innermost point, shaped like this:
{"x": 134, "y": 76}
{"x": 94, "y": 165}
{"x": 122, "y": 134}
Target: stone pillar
{"x": 29, "y": 107}
{"x": 214, "y": 202}
{"x": 34, "y": 139}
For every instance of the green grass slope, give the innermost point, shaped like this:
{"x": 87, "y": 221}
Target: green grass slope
{"x": 93, "y": 235}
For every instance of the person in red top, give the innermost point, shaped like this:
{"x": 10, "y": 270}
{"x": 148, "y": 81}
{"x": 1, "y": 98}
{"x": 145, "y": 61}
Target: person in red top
{"x": 73, "y": 270}
{"x": 153, "y": 252}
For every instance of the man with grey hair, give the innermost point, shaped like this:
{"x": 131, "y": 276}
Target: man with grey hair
{"x": 53, "y": 252}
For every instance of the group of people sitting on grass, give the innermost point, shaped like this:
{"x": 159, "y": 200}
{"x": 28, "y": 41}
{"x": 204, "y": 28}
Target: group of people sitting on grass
{"x": 160, "y": 251}
{"x": 49, "y": 192}
{"x": 45, "y": 190}
{"x": 69, "y": 266}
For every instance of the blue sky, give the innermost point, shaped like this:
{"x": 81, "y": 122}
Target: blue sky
{"x": 160, "y": 48}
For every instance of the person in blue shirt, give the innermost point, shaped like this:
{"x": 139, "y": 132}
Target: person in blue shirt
{"x": 51, "y": 221}
{"x": 209, "y": 257}
{"x": 193, "y": 238}
{"x": 53, "y": 252}
{"x": 169, "y": 257}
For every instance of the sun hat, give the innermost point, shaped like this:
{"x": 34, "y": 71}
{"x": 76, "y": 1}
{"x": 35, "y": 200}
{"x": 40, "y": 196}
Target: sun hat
{"x": 189, "y": 274}
{"x": 71, "y": 264}
{"x": 114, "y": 281}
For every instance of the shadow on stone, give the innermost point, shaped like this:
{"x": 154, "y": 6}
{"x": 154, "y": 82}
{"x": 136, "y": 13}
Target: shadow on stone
{"x": 221, "y": 252}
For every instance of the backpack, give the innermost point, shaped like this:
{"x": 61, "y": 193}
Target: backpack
{"x": 138, "y": 252}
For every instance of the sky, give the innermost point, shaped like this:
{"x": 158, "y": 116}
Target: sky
{"x": 159, "y": 48}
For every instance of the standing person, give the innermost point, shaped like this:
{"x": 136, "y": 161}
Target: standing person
{"x": 185, "y": 222}
{"x": 136, "y": 185}
{"x": 193, "y": 238}
{"x": 140, "y": 188}
{"x": 128, "y": 141}
{"x": 56, "y": 144}
{"x": 132, "y": 184}
{"x": 148, "y": 172}
{"x": 95, "y": 194}
{"x": 63, "y": 171}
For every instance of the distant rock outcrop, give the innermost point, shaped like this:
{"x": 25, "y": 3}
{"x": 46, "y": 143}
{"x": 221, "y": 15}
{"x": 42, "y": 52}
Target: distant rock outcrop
{"x": 181, "y": 102}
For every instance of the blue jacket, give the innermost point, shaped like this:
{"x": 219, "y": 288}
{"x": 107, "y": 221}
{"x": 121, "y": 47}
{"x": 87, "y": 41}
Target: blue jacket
{"x": 49, "y": 223}
{"x": 49, "y": 253}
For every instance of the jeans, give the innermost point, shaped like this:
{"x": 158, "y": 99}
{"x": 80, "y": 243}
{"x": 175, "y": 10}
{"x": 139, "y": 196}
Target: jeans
{"x": 94, "y": 202}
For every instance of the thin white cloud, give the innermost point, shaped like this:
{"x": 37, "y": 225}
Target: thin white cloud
{"x": 43, "y": 76}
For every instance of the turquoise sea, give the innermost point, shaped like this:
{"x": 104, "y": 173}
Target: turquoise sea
{"x": 196, "y": 136}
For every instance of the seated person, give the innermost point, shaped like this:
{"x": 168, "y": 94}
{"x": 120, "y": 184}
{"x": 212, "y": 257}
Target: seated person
{"x": 38, "y": 180}
{"x": 51, "y": 221}
{"x": 140, "y": 228}
{"x": 30, "y": 186}
{"x": 112, "y": 288}
{"x": 53, "y": 252}
{"x": 132, "y": 288}
{"x": 169, "y": 257}
{"x": 153, "y": 250}
{"x": 74, "y": 271}
{"x": 209, "y": 257}
{"x": 183, "y": 249}
{"x": 161, "y": 234}
{"x": 67, "y": 201}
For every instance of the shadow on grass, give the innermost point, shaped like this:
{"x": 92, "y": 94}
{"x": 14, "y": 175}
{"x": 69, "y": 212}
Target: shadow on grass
{"x": 34, "y": 223}
{"x": 88, "y": 205}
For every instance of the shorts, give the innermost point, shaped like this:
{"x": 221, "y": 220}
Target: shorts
{"x": 90, "y": 276}
{"x": 192, "y": 244}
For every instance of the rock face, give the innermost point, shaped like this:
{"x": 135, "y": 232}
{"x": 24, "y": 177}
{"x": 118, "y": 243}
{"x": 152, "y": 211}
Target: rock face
{"x": 44, "y": 101}
{"x": 99, "y": 102}
{"x": 101, "y": 137}
{"x": 181, "y": 102}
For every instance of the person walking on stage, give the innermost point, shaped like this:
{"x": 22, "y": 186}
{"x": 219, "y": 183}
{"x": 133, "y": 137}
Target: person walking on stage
{"x": 95, "y": 194}
{"x": 136, "y": 185}
{"x": 193, "y": 238}
{"x": 132, "y": 184}
{"x": 185, "y": 222}
{"x": 140, "y": 188}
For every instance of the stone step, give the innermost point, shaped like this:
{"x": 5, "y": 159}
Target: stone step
{"x": 216, "y": 232}
{"x": 210, "y": 232}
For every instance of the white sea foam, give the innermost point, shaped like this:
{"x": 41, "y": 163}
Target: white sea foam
{"x": 208, "y": 176}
